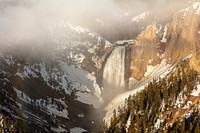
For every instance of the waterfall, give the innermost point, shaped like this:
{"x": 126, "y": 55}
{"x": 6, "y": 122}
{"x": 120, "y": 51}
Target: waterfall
{"x": 114, "y": 70}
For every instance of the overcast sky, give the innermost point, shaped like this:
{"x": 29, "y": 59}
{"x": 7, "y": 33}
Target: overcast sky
{"x": 29, "y": 20}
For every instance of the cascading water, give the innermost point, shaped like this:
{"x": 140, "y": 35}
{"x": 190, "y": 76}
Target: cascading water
{"x": 114, "y": 72}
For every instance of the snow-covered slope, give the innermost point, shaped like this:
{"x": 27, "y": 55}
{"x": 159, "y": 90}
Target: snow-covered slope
{"x": 55, "y": 81}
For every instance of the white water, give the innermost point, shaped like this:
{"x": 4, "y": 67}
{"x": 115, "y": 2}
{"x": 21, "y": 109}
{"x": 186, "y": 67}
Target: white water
{"x": 114, "y": 70}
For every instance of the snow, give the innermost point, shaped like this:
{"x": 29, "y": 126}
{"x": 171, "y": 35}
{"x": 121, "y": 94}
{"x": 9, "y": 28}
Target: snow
{"x": 180, "y": 100}
{"x": 188, "y": 114}
{"x": 123, "y": 42}
{"x": 77, "y": 130}
{"x": 80, "y": 115}
{"x": 140, "y": 17}
{"x": 76, "y": 28}
{"x": 161, "y": 70}
{"x": 164, "y": 40}
{"x": 157, "y": 124}
{"x": 188, "y": 57}
{"x": 22, "y": 96}
{"x": 43, "y": 71}
{"x": 5, "y": 108}
{"x": 68, "y": 78}
{"x": 150, "y": 61}
{"x": 79, "y": 57}
{"x": 196, "y": 92}
{"x": 9, "y": 60}
{"x": 108, "y": 44}
{"x": 150, "y": 69}
{"x": 1, "y": 122}
{"x": 58, "y": 130}
{"x": 85, "y": 82}
{"x": 196, "y": 6}
{"x": 128, "y": 123}
{"x": 53, "y": 108}
{"x": 97, "y": 91}
{"x": 120, "y": 42}
{"x": 27, "y": 72}
{"x": 184, "y": 11}
{"x": 20, "y": 75}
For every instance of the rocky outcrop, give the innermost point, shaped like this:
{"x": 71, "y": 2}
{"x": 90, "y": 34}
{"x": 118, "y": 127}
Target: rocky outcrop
{"x": 195, "y": 61}
{"x": 174, "y": 42}
{"x": 95, "y": 63}
{"x": 144, "y": 52}
{"x": 182, "y": 35}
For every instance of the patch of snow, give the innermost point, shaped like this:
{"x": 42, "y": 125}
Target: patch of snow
{"x": 184, "y": 11}
{"x": 43, "y": 71}
{"x": 196, "y": 6}
{"x": 162, "y": 107}
{"x": 58, "y": 130}
{"x": 84, "y": 81}
{"x": 27, "y": 72}
{"x": 188, "y": 57}
{"x": 5, "y": 108}
{"x": 9, "y": 60}
{"x": 157, "y": 124}
{"x": 1, "y": 121}
{"x": 20, "y": 75}
{"x": 140, "y": 17}
{"x": 79, "y": 57}
{"x": 188, "y": 114}
{"x": 53, "y": 108}
{"x": 91, "y": 50}
{"x": 123, "y": 42}
{"x": 76, "y": 28}
{"x": 80, "y": 115}
{"x": 128, "y": 123}
{"x": 150, "y": 69}
{"x": 160, "y": 55}
{"x": 163, "y": 67}
{"x": 164, "y": 40}
{"x": 22, "y": 96}
{"x": 77, "y": 130}
{"x": 108, "y": 44}
{"x": 180, "y": 100}
{"x": 150, "y": 61}
{"x": 196, "y": 92}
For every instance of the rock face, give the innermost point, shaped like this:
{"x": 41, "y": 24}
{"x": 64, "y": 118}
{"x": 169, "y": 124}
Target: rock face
{"x": 173, "y": 42}
{"x": 182, "y": 35}
{"x": 38, "y": 85}
{"x": 144, "y": 51}
{"x": 50, "y": 87}
{"x": 195, "y": 61}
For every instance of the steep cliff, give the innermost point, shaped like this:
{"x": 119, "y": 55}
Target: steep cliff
{"x": 182, "y": 34}
{"x": 172, "y": 41}
{"x": 144, "y": 52}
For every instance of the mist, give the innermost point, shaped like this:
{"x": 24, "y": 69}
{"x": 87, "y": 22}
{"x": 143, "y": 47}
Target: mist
{"x": 28, "y": 21}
